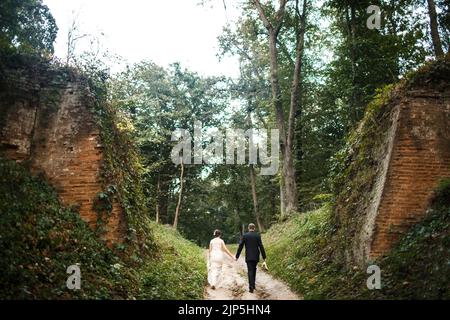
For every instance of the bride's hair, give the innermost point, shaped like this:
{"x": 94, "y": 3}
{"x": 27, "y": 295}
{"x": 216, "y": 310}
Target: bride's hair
{"x": 217, "y": 233}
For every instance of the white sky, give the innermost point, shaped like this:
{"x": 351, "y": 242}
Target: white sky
{"x": 164, "y": 31}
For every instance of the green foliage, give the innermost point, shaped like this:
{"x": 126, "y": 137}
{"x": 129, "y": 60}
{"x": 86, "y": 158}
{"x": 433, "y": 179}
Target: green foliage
{"x": 40, "y": 239}
{"x": 335, "y": 90}
{"x": 158, "y": 101}
{"x": 355, "y": 167}
{"x": 145, "y": 103}
{"x": 177, "y": 272}
{"x": 122, "y": 169}
{"x": 366, "y": 60}
{"x": 38, "y": 249}
{"x": 435, "y": 74}
{"x": 103, "y": 204}
{"x": 26, "y": 26}
{"x": 444, "y": 22}
{"x": 442, "y": 195}
{"x": 222, "y": 200}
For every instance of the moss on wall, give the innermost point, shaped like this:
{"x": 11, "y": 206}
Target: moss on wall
{"x": 40, "y": 238}
{"x": 42, "y": 84}
{"x": 359, "y": 165}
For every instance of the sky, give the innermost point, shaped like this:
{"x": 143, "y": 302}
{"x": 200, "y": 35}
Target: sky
{"x": 163, "y": 31}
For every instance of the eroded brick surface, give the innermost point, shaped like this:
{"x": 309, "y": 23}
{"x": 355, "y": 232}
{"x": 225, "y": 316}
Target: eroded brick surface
{"x": 58, "y": 137}
{"x": 420, "y": 159}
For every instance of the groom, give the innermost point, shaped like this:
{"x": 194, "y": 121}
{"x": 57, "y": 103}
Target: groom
{"x": 253, "y": 246}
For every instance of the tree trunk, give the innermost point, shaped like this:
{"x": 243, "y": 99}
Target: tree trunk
{"x": 290, "y": 185}
{"x": 158, "y": 190}
{"x": 434, "y": 29}
{"x": 276, "y": 90}
{"x": 288, "y": 188}
{"x": 279, "y": 112}
{"x": 252, "y": 174}
{"x": 282, "y": 199}
{"x": 163, "y": 201}
{"x": 255, "y": 199}
{"x": 177, "y": 211}
{"x": 291, "y": 194}
{"x": 273, "y": 199}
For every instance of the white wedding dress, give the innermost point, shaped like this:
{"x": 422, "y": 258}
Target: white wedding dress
{"x": 216, "y": 260}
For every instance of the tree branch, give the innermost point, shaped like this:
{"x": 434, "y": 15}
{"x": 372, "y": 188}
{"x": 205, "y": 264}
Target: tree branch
{"x": 279, "y": 16}
{"x": 285, "y": 50}
{"x": 263, "y": 16}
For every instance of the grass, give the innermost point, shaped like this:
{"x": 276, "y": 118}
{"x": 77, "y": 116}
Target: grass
{"x": 233, "y": 247}
{"x": 299, "y": 251}
{"x": 356, "y": 168}
{"x": 179, "y": 270}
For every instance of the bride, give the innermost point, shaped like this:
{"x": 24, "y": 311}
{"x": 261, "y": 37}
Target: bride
{"x": 217, "y": 248}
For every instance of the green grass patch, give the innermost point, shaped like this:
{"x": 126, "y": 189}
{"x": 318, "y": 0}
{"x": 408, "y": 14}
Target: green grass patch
{"x": 179, "y": 270}
{"x": 356, "y": 167}
{"x": 300, "y": 252}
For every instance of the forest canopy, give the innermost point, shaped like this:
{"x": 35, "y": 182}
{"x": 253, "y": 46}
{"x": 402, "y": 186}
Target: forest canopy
{"x": 27, "y": 26}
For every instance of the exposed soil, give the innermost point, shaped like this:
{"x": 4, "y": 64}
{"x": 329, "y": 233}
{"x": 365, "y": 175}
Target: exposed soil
{"x": 234, "y": 285}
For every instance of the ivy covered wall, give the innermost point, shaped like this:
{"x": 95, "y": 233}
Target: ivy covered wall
{"x": 58, "y": 122}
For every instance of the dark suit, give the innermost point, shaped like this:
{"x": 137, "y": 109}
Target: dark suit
{"x": 253, "y": 248}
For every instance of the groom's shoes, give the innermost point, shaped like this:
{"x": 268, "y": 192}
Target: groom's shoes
{"x": 251, "y": 290}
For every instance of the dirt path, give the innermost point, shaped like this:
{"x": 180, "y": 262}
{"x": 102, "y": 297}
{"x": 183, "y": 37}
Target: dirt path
{"x": 234, "y": 285}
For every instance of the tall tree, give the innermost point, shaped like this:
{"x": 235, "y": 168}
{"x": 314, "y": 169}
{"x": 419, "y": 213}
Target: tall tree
{"x": 287, "y": 131}
{"x": 444, "y": 22}
{"x": 255, "y": 198}
{"x": 365, "y": 59}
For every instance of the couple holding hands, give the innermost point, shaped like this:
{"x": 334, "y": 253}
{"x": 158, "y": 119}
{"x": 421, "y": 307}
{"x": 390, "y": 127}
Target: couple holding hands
{"x": 253, "y": 249}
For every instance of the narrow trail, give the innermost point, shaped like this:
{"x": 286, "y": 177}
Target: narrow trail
{"x": 234, "y": 285}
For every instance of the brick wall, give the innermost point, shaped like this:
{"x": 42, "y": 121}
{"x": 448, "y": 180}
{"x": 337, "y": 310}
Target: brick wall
{"x": 58, "y": 137}
{"x": 410, "y": 160}
{"x": 420, "y": 158}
